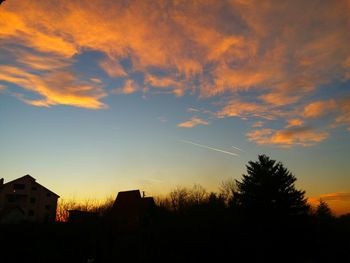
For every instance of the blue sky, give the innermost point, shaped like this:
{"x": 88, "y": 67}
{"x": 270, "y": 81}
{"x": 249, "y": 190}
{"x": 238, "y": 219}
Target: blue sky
{"x": 95, "y": 99}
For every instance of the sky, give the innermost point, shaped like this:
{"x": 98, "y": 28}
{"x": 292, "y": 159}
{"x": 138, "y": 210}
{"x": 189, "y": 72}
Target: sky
{"x": 98, "y": 97}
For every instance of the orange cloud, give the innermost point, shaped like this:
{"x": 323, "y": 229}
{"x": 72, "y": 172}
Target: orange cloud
{"x": 294, "y": 123}
{"x": 336, "y": 197}
{"x": 160, "y": 81}
{"x": 237, "y": 108}
{"x": 43, "y": 62}
{"x": 319, "y": 108}
{"x": 344, "y": 112}
{"x": 192, "y": 123}
{"x": 338, "y": 107}
{"x": 279, "y": 98}
{"x": 212, "y": 48}
{"x": 112, "y": 68}
{"x": 129, "y": 88}
{"x": 303, "y": 136}
{"x": 56, "y": 88}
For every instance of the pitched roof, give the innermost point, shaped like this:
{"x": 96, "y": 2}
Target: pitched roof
{"x": 31, "y": 178}
{"x": 127, "y": 198}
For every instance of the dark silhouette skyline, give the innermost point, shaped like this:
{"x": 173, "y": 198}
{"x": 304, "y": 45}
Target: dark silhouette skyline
{"x": 260, "y": 218}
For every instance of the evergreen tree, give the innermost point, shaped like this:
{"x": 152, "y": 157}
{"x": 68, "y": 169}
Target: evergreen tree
{"x": 323, "y": 211}
{"x": 268, "y": 187}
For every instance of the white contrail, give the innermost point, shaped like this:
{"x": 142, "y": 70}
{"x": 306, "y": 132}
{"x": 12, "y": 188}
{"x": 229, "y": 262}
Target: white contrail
{"x": 210, "y": 148}
{"x": 238, "y": 149}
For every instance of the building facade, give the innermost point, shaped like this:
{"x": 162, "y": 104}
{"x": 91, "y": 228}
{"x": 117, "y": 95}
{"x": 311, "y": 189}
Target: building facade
{"x": 23, "y": 199}
{"x": 131, "y": 211}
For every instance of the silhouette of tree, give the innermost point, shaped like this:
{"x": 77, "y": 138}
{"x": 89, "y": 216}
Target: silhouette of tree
{"x": 268, "y": 187}
{"x": 198, "y": 195}
{"x": 323, "y": 211}
{"x": 179, "y": 198}
{"x": 227, "y": 190}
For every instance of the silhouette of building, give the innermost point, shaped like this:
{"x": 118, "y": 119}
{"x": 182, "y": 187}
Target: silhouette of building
{"x": 130, "y": 210}
{"x": 23, "y": 199}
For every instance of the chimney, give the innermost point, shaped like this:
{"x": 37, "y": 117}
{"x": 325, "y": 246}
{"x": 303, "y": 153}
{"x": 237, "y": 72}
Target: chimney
{"x": 1, "y": 181}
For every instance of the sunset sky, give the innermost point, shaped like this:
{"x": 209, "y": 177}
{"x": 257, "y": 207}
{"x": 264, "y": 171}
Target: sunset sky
{"x": 98, "y": 97}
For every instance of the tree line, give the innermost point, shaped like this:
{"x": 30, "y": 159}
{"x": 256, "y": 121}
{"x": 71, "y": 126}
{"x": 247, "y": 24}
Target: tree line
{"x": 261, "y": 217}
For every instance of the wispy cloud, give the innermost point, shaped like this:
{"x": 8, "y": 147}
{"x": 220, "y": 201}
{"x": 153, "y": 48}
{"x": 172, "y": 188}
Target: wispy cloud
{"x": 61, "y": 87}
{"x": 112, "y": 68}
{"x": 251, "y": 59}
{"x": 192, "y": 123}
{"x": 294, "y": 123}
{"x": 335, "y": 197}
{"x": 304, "y": 136}
{"x": 208, "y": 147}
{"x": 129, "y": 87}
{"x": 319, "y": 108}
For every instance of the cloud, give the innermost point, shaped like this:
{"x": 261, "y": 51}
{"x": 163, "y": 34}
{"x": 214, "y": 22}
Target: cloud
{"x": 340, "y": 108}
{"x": 169, "y": 82}
{"x": 192, "y": 123}
{"x": 56, "y": 88}
{"x": 335, "y": 197}
{"x": 258, "y": 124}
{"x": 343, "y": 112}
{"x": 319, "y": 108}
{"x": 160, "y": 82}
{"x": 192, "y": 109}
{"x": 96, "y": 80}
{"x": 129, "y": 87}
{"x": 304, "y": 136}
{"x": 40, "y": 62}
{"x": 242, "y": 109}
{"x": 219, "y": 50}
{"x": 112, "y": 68}
{"x": 294, "y": 123}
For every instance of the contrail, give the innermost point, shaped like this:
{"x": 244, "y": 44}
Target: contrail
{"x": 210, "y": 148}
{"x": 238, "y": 149}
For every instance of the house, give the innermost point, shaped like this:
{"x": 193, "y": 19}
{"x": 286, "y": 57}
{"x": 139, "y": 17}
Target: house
{"x": 23, "y": 199}
{"x": 130, "y": 210}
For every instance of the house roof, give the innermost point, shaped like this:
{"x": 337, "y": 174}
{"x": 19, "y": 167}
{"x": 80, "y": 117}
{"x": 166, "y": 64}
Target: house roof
{"x": 127, "y": 198}
{"x": 31, "y": 178}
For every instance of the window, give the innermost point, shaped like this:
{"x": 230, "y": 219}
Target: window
{"x": 47, "y": 207}
{"x": 32, "y": 200}
{"x": 30, "y": 212}
{"x": 16, "y": 198}
{"x": 18, "y": 186}
{"x": 10, "y": 198}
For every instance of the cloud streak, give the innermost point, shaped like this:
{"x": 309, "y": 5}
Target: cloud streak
{"x": 208, "y": 147}
{"x": 195, "y": 121}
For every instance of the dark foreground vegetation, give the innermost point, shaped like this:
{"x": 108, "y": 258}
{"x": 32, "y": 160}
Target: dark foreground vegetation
{"x": 261, "y": 218}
